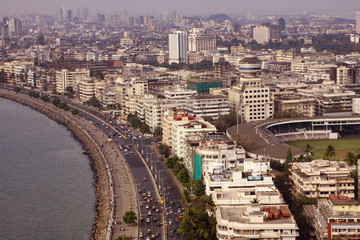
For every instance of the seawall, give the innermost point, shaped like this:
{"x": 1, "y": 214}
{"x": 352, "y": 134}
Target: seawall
{"x": 97, "y": 163}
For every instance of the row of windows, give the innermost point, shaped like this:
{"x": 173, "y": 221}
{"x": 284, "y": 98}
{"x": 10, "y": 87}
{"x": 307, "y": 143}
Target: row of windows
{"x": 257, "y": 101}
{"x": 254, "y": 91}
{"x": 257, "y": 96}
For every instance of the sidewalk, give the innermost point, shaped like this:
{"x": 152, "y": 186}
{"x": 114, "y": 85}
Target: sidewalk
{"x": 123, "y": 186}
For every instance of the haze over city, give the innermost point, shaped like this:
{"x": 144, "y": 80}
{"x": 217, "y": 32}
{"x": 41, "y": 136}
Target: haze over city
{"x": 187, "y": 7}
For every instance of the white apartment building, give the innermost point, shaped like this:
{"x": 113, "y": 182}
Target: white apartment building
{"x": 85, "y": 88}
{"x": 127, "y": 92}
{"x": 255, "y": 222}
{"x": 108, "y": 96}
{"x": 207, "y": 105}
{"x": 179, "y": 95}
{"x": 335, "y": 218}
{"x": 255, "y": 172}
{"x": 178, "y": 47}
{"x": 356, "y": 105}
{"x": 180, "y": 131}
{"x": 67, "y": 78}
{"x": 261, "y": 34}
{"x": 205, "y": 152}
{"x": 200, "y": 40}
{"x": 322, "y": 178}
{"x": 252, "y": 100}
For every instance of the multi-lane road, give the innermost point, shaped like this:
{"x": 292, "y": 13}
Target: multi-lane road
{"x": 158, "y": 194}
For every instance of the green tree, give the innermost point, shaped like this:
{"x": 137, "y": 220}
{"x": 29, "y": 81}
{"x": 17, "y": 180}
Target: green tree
{"x": 3, "y": 76}
{"x": 45, "y": 98}
{"x": 171, "y": 162}
{"x": 329, "y": 152}
{"x": 198, "y": 187}
{"x": 144, "y": 128}
{"x": 197, "y": 224}
{"x": 157, "y": 132}
{"x": 186, "y": 197}
{"x": 183, "y": 176}
{"x": 289, "y": 156}
{"x": 56, "y": 102}
{"x": 93, "y": 102}
{"x": 75, "y": 112}
{"x": 129, "y": 217}
{"x": 351, "y": 158}
{"x": 308, "y": 150}
{"x": 17, "y": 89}
{"x": 164, "y": 150}
{"x": 123, "y": 237}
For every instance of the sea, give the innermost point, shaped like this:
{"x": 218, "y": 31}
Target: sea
{"x": 46, "y": 183}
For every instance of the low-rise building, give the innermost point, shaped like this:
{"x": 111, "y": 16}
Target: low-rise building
{"x": 321, "y": 178}
{"x": 206, "y": 105}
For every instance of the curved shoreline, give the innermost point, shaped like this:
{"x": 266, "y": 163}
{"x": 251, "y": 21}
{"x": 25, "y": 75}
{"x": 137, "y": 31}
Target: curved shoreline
{"x": 97, "y": 162}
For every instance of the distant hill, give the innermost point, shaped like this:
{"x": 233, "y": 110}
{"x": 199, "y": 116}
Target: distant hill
{"x": 220, "y": 16}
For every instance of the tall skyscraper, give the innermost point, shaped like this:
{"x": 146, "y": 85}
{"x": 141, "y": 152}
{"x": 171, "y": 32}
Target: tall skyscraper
{"x": 69, "y": 15}
{"x": 85, "y": 13}
{"x": 60, "y": 15}
{"x": 178, "y": 47}
{"x": 281, "y": 23}
{"x": 261, "y": 34}
{"x": 358, "y": 22}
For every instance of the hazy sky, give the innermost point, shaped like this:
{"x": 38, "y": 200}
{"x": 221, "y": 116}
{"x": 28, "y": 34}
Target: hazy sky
{"x": 186, "y": 7}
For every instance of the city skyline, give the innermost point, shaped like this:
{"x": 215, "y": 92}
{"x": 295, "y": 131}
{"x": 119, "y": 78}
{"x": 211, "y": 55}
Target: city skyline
{"x": 343, "y": 8}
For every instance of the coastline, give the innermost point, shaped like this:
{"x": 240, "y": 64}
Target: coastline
{"x": 97, "y": 162}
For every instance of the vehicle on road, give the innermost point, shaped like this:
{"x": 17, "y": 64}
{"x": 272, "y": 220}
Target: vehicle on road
{"x": 149, "y": 213}
{"x": 145, "y": 178}
{"x": 141, "y": 235}
{"x": 148, "y": 220}
{"x": 171, "y": 233}
{"x": 146, "y": 206}
{"x": 170, "y": 221}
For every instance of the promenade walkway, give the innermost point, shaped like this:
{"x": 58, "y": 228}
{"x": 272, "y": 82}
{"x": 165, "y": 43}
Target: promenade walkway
{"x": 123, "y": 185}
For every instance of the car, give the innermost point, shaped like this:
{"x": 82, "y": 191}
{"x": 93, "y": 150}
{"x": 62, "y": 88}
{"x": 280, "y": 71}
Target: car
{"x": 153, "y": 236}
{"x": 171, "y": 211}
{"x": 151, "y": 199}
{"x": 157, "y": 234}
{"x": 176, "y": 219}
{"x": 148, "y": 200}
{"x": 179, "y": 210}
{"x": 149, "y": 213}
{"x": 147, "y": 206}
{"x": 157, "y": 210}
{"x": 141, "y": 219}
{"x": 145, "y": 198}
{"x": 148, "y": 220}
{"x": 140, "y": 191}
{"x": 153, "y": 207}
{"x": 144, "y": 194}
{"x": 171, "y": 233}
{"x": 141, "y": 235}
{"x": 145, "y": 178}
{"x": 170, "y": 221}
{"x": 171, "y": 203}
{"x": 147, "y": 238}
{"x": 149, "y": 193}
{"x": 154, "y": 219}
{"x": 149, "y": 231}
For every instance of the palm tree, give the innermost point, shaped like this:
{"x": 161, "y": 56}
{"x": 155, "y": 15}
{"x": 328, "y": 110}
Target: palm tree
{"x": 351, "y": 158}
{"x": 186, "y": 198}
{"x": 255, "y": 200}
{"x": 309, "y": 150}
{"x": 329, "y": 152}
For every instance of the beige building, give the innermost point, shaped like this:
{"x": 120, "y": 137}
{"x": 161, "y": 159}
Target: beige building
{"x": 67, "y": 78}
{"x": 321, "y": 178}
{"x": 302, "y": 106}
{"x": 200, "y": 40}
{"x": 261, "y": 34}
{"x": 252, "y": 100}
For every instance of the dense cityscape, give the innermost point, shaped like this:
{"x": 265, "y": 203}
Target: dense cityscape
{"x": 204, "y": 123}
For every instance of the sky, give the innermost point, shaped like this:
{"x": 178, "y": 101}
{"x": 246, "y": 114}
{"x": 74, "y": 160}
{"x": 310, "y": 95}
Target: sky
{"x": 186, "y": 7}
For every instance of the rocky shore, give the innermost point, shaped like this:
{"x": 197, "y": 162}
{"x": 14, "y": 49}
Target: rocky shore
{"x": 101, "y": 181}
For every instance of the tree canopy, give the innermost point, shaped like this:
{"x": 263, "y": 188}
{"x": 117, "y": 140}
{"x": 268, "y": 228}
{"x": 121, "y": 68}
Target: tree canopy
{"x": 129, "y": 217}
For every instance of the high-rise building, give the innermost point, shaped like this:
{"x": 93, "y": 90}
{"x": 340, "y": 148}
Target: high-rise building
{"x": 358, "y": 22}
{"x": 281, "y": 23}
{"x": 85, "y": 13}
{"x": 60, "y": 15}
{"x": 200, "y": 40}
{"x": 69, "y": 15}
{"x": 261, "y": 34}
{"x": 5, "y": 31}
{"x": 178, "y": 47}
